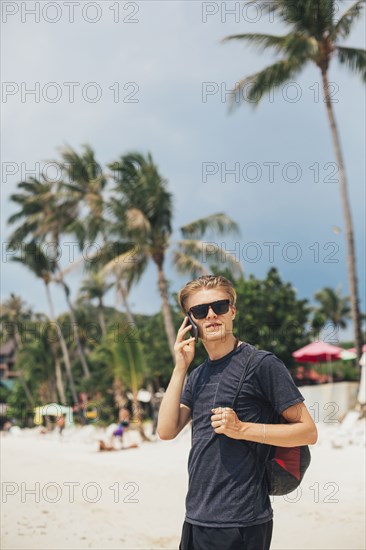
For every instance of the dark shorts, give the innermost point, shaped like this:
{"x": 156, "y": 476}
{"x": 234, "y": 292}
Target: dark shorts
{"x": 256, "y": 537}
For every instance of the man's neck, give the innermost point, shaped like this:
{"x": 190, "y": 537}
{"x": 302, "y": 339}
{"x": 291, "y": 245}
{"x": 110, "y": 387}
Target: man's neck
{"x": 220, "y": 348}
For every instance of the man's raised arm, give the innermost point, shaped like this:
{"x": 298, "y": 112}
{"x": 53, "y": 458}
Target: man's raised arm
{"x": 173, "y": 415}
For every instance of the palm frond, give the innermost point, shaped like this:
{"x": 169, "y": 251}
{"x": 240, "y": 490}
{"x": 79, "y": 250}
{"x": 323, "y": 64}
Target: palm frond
{"x": 123, "y": 356}
{"x": 206, "y": 253}
{"x": 33, "y": 257}
{"x": 81, "y": 168}
{"x": 344, "y": 25}
{"x": 354, "y": 59}
{"x": 127, "y": 262}
{"x": 314, "y": 18}
{"x": 293, "y": 44}
{"x": 140, "y": 186}
{"x": 137, "y": 222}
{"x": 131, "y": 272}
{"x": 95, "y": 286}
{"x": 73, "y": 265}
{"x": 262, "y": 41}
{"x": 219, "y": 223}
{"x": 259, "y": 84}
{"x": 185, "y": 263}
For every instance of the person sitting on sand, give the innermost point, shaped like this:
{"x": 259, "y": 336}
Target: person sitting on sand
{"x": 123, "y": 424}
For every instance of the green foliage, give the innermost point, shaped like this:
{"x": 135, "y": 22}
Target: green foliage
{"x": 35, "y": 358}
{"x": 134, "y": 224}
{"x": 18, "y": 410}
{"x": 121, "y": 355}
{"x": 332, "y": 307}
{"x": 270, "y": 316}
{"x": 341, "y": 370}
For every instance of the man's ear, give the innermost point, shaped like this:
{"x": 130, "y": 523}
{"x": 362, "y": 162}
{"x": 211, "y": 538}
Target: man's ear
{"x": 233, "y": 311}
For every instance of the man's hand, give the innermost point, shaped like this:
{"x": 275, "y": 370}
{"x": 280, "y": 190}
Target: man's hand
{"x": 225, "y": 421}
{"x": 298, "y": 430}
{"x": 184, "y": 347}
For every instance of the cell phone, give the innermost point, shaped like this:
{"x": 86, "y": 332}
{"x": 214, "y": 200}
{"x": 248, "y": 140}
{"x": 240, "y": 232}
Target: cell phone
{"x": 194, "y": 330}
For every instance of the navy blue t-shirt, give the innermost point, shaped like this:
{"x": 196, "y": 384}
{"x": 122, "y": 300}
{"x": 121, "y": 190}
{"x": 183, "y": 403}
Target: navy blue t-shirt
{"x": 227, "y": 486}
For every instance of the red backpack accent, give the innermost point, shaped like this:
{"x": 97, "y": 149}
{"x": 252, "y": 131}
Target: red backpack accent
{"x": 289, "y": 459}
{"x": 284, "y": 466}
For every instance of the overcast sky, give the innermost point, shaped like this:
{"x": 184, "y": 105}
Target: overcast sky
{"x": 152, "y": 76}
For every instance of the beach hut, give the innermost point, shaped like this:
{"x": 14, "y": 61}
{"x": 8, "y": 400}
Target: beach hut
{"x": 53, "y": 409}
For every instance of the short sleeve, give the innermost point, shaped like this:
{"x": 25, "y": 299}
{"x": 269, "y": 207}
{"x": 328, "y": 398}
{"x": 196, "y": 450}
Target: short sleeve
{"x": 276, "y": 384}
{"x": 187, "y": 393}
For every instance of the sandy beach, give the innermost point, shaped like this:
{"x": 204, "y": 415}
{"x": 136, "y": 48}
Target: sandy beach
{"x": 61, "y": 493}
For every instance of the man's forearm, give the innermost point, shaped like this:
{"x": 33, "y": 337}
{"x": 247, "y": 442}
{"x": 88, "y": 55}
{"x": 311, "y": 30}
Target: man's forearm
{"x": 168, "y": 419}
{"x": 281, "y": 435}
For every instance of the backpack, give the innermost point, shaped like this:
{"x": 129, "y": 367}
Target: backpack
{"x": 284, "y": 466}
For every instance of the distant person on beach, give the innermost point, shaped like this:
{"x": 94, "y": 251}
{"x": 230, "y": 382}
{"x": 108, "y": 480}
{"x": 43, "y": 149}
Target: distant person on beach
{"x": 227, "y": 504}
{"x": 60, "y": 422}
{"x": 5, "y": 426}
{"x": 124, "y": 417}
{"x": 123, "y": 424}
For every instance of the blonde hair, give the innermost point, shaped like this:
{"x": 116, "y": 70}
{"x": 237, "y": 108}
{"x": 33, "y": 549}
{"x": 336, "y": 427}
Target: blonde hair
{"x": 206, "y": 281}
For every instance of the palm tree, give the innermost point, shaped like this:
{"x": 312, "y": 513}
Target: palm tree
{"x": 126, "y": 363}
{"x": 142, "y": 211}
{"x": 95, "y": 287}
{"x": 314, "y": 37}
{"x": 43, "y": 267}
{"x": 333, "y": 307}
{"x": 47, "y": 214}
{"x": 85, "y": 183}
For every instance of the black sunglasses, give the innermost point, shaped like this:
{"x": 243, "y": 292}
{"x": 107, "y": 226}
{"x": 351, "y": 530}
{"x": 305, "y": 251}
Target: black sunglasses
{"x": 219, "y": 307}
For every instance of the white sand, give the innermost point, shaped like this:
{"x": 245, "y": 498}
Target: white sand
{"x": 152, "y": 480}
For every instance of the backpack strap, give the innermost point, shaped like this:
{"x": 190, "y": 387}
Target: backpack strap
{"x": 245, "y": 370}
{"x": 254, "y": 448}
{"x": 243, "y": 375}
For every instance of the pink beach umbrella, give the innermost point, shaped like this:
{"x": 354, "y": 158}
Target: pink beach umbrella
{"x": 317, "y": 352}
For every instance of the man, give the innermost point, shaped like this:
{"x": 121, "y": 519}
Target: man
{"x": 227, "y": 505}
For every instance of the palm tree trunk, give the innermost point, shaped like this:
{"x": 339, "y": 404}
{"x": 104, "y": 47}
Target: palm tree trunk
{"x": 136, "y": 406}
{"x": 351, "y": 256}
{"x": 167, "y": 314}
{"x": 75, "y": 329}
{"x": 64, "y": 349}
{"x": 119, "y": 393}
{"x": 58, "y": 375}
{"x": 121, "y": 291}
{"x": 137, "y": 417}
{"x": 18, "y": 343}
{"x": 101, "y": 317}
{"x": 59, "y": 383}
